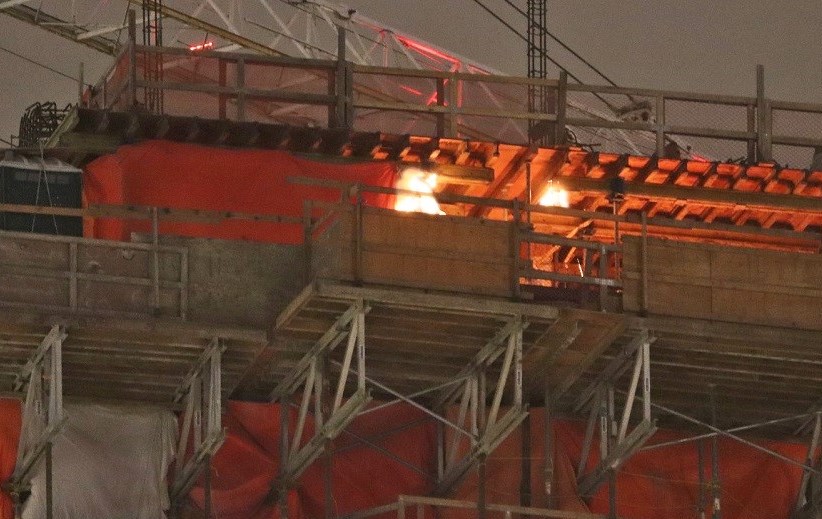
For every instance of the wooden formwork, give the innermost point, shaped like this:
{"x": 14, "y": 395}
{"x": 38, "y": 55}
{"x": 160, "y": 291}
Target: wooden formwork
{"x": 443, "y": 253}
{"x": 736, "y": 284}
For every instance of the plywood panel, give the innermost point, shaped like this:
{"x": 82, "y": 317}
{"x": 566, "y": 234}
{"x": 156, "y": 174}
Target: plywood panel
{"x": 725, "y": 283}
{"x": 421, "y": 251}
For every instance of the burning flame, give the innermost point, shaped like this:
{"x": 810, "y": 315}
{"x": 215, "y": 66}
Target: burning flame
{"x": 555, "y": 197}
{"x": 422, "y": 182}
{"x": 202, "y": 46}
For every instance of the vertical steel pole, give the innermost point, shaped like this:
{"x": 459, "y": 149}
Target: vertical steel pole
{"x": 562, "y": 105}
{"x": 548, "y": 444}
{"x": 132, "y": 59}
{"x": 207, "y": 488}
{"x": 284, "y": 455}
{"x": 481, "y": 497}
{"x": 717, "y": 505}
{"x": 80, "y": 84}
{"x": 240, "y": 85}
{"x": 155, "y": 259}
{"x": 525, "y": 452}
{"x": 49, "y": 482}
{"x": 644, "y": 263}
{"x": 700, "y": 452}
{"x": 660, "y": 126}
{"x": 761, "y": 136}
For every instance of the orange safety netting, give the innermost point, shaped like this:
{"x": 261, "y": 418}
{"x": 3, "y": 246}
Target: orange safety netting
{"x": 10, "y": 422}
{"x": 654, "y": 484}
{"x": 187, "y": 176}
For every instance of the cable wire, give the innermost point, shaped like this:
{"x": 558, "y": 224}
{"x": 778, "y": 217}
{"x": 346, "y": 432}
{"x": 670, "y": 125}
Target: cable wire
{"x": 563, "y": 44}
{"x": 33, "y": 62}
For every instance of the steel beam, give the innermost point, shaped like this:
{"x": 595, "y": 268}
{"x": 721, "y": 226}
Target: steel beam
{"x": 487, "y": 432}
{"x": 616, "y": 443}
{"x": 42, "y": 413}
{"x": 201, "y": 430}
{"x": 310, "y": 374}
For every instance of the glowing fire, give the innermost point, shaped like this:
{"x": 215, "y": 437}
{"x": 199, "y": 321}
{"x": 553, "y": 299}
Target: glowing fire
{"x": 202, "y": 46}
{"x": 422, "y": 182}
{"x": 554, "y": 197}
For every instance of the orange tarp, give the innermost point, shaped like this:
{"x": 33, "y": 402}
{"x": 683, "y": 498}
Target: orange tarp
{"x": 10, "y": 421}
{"x": 187, "y": 176}
{"x": 654, "y": 484}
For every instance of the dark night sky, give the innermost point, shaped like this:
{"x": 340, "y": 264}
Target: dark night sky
{"x": 695, "y": 45}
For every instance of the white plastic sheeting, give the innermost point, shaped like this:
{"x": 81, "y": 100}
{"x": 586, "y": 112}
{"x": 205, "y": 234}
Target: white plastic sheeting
{"x": 108, "y": 463}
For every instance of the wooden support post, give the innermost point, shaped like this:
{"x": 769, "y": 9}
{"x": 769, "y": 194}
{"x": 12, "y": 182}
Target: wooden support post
{"x": 717, "y": 505}
{"x": 660, "y": 126}
{"x": 337, "y": 86}
{"x": 762, "y": 117}
{"x": 700, "y": 452}
{"x": 222, "y": 99}
{"x": 207, "y": 488}
{"x": 525, "y": 452}
{"x": 442, "y": 124}
{"x": 240, "y": 84}
{"x": 80, "y": 84}
{"x": 284, "y": 454}
{"x": 644, "y": 263}
{"x": 562, "y": 106}
{"x": 482, "y": 505}
{"x": 132, "y": 59}
{"x": 49, "y": 481}
{"x": 751, "y": 148}
{"x": 548, "y": 454}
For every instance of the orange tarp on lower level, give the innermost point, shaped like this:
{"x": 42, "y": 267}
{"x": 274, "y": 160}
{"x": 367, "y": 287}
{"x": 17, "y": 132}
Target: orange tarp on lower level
{"x": 392, "y": 451}
{"x": 9, "y": 438}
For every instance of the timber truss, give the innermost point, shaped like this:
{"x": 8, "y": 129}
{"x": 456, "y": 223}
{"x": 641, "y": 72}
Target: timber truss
{"x": 201, "y": 431}
{"x": 616, "y": 443}
{"x": 43, "y": 417}
{"x": 486, "y": 430}
{"x": 330, "y": 417}
{"x": 461, "y": 361}
{"x": 40, "y": 382}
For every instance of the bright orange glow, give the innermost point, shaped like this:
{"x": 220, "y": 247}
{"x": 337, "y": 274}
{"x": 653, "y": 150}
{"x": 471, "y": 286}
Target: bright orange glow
{"x": 202, "y": 46}
{"x": 554, "y": 197}
{"x": 419, "y": 181}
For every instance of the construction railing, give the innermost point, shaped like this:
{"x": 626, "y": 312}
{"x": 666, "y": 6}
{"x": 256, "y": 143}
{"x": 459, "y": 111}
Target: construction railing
{"x": 341, "y": 94}
{"x": 418, "y": 507}
{"x": 516, "y": 253}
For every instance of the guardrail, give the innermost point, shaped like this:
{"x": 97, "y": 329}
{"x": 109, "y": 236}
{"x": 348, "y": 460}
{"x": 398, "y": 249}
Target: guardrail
{"x": 532, "y": 253}
{"x": 418, "y": 507}
{"x": 341, "y": 94}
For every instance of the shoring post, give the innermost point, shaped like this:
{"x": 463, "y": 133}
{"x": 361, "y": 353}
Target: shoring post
{"x": 660, "y": 126}
{"x": 762, "y": 117}
{"x": 562, "y": 106}
{"x": 80, "y": 84}
{"x": 482, "y": 505}
{"x": 308, "y": 241}
{"x": 752, "y": 141}
{"x": 603, "y": 274}
{"x": 548, "y": 441}
{"x": 132, "y": 59}
{"x": 715, "y": 488}
{"x": 453, "y": 100}
{"x": 155, "y": 261}
{"x": 285, "y": 412}
{"x": 240, "y": 86}
{"x": 358, "y": 234}
{"x": 222, "y": 98}
{"x": 442, "y": 123}
{"x": 525, "y": 474}
{"x": 809, "y": 461}
{"x": 516, "y": 243}
{"x": 643, "y": 252}
{"x": 700, "y": 460}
